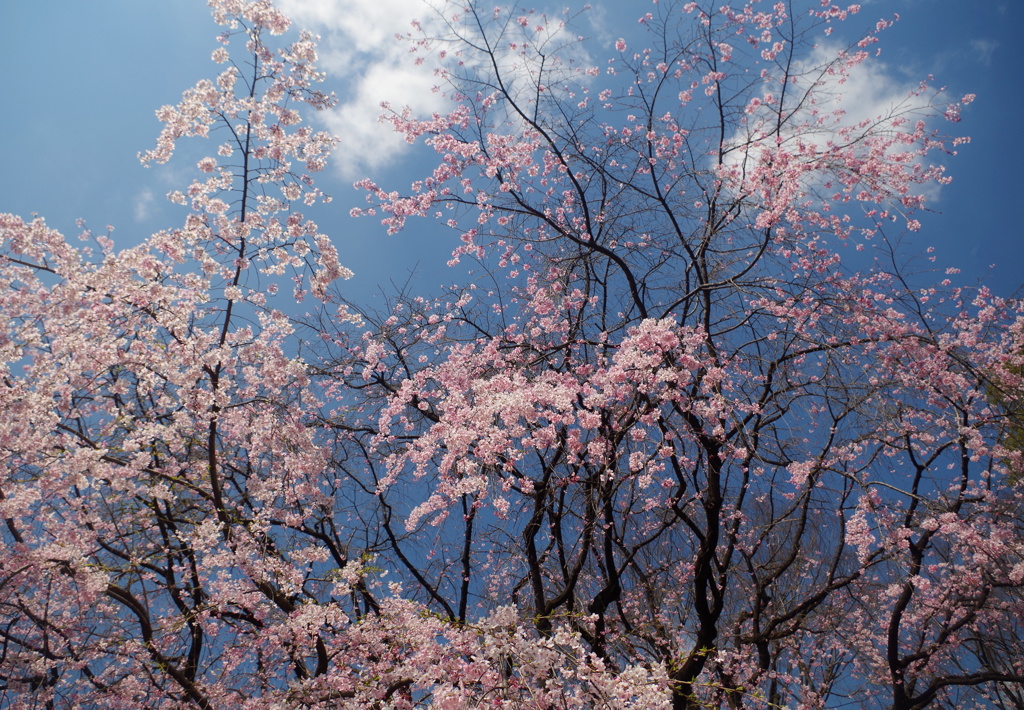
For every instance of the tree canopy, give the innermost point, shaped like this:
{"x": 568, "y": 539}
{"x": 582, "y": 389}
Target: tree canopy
{"x": 672, "y": 442}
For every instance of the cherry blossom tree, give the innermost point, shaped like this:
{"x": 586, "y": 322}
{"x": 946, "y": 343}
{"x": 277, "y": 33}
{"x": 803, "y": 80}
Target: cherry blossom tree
{"x": 679, "y": 421}
{"x": 674, "y": 444}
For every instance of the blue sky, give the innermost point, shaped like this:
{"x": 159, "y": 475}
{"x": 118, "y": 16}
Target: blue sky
{"x": 84, "y": 80}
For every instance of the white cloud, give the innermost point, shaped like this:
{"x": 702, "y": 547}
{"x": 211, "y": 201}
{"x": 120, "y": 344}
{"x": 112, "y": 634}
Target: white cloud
{"x": 143, "y": 205}
{"x": 363, "y": 57}
{"x": 367, "y": 143}
{"x": 868, "y": 92}
{"x": 369, "y": 27}
{"x": 867, "y": 98}
{"x": 360, "y": 52}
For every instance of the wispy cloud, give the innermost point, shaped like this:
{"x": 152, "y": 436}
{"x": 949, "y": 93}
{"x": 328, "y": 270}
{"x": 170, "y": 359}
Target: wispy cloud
{"x": 984, "y": 49}
{"x": 143, "y": 205}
